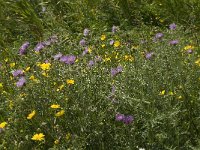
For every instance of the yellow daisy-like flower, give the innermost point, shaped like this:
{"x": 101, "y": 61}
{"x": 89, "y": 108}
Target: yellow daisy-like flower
{"x": 116, "y": 43}
{"x": 103, "y": 37}
{"x": 12, "y": 65}
{"x": 2, "y": 125}
{"x": 54, "y": 106}
{"x": 45, "y": 66}
{"x": 31, "y": 115}
{"x": 60, "y": 113}
{"x": 70, "y": 81}
{"x": 38, "y": 137}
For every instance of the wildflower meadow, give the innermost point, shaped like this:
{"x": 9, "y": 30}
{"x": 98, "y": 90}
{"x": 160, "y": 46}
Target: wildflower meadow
{"x": 98, "y": 75}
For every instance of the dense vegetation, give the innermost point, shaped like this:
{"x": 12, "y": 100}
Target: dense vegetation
{"x": 97, "y": 74}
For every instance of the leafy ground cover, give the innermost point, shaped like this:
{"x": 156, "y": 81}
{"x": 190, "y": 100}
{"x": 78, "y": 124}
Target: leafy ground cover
{"x": 97, "y": 86}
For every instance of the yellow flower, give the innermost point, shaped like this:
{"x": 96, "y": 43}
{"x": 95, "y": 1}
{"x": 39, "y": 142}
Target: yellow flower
{"x": 129, "y": 58}
{"x": 188, "y": 47}
{"x": 45, "y": 74}
{"x": 68, "y": 135}
{"x": 1, "y": 85}
{"x": 179, "y": 97}
{"x": 116, "y": 43}
{"x": 89, "y": 50}
{"x": 197, "y": 61}
{"x": 56, "y": 142}
{"x": 70, "y": 81}
{"x": 60, "y": 87}
{"x": 6, "y": 59}
{"x": 45, "y": 66}
{"x": 38, "y": 137}
{"x": 12, "y": 65}
{"x": 103, "y": 45}
{"x": 27, "y": 69}
{"x": 31, "y": 115}
{"x": 3, "y": 124}
{"x": 162, "y": 92}
{"x": 60, "y": 113}
{"x": 103, "y": 37}
{"x": 55, "y": 106}
{"x": 171, "y": 93}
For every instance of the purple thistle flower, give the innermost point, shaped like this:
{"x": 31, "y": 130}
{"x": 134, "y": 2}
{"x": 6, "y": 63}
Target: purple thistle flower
{"x": 17, "y": 73}
{"x": 91, "y": 63}
{"x": 22, "y": 49}
{"x": 57, "y": 56}
{"x": 189, "y": 51}
{"x": 119, "y": 69}
{"x": 149, "y": 55}
{"x": 82, "y": 42}
{"x": 115, "y": 71}
{"x": 174, "y": 42}
{"x": 69, "y": 59}
{"x": 112, "y": 42}
{"x": 114, "y": 29}
{"x": 21, "y": 82}
{"x": 128, "y": 119}
{"x": 119, "y": 117}
{"x": 39, "y": 46}
{"x": 85, "y": 51}
{"x": 172, "y": 26}
{"x": 86, "y": 32}
{"x": 159, "y": 35}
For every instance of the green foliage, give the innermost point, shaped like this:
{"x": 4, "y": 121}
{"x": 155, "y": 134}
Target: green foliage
{"x": 161, "y": 91}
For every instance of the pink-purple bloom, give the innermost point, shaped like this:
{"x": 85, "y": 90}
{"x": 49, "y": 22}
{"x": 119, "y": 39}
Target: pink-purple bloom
{"x": 119, "y": 117}
{"x": 82, "y": 42}
{"x": 39, "y": 46}
{"x": 149, "y": 55}
{"x": 159, "y": 35}
{"x": 128, "y": 119}
{"x": 68, "y": 59}
{"x": 21, "y": 82}
{"x": 172, "y": 26}
{"x": 86, "y": 32}
{"x": 174, "y": 42}
{"x": 17, "y": 73}
{"x": 91, "y": 63}
{"x": 189, "y": 51}
{"x": 114, "y": 29}
{"x": 57, "y": 56}
{"x": 22, "y": 49}
{"x": 115, "y": 71}
{"x": 112, "y": 42}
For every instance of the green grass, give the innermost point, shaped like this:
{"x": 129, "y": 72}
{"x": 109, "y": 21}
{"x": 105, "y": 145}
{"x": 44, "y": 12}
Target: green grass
{"x": 160, "y": 92}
